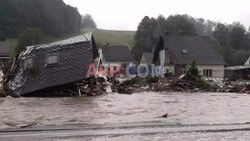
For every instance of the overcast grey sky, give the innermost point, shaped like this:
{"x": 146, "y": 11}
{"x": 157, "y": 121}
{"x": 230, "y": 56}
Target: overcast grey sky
{"x": 126, "y": 14}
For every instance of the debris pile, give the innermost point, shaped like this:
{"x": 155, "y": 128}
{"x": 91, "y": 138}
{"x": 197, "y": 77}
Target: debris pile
{"x": 184, "y": 83}
{"x": 181, "y": 84}
{"x": 236, "y": 88}
{"x": 99, "y": 85}
{"x": 95, "y": 86}
{"x": 135, "y": 84}
{"x": 247, "y": 89}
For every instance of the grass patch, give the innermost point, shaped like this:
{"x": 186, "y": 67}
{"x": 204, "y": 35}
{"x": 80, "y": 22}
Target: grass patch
{"x": 114, "y": 37}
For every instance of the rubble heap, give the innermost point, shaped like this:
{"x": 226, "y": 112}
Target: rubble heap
{"x": 236, "y": 88}
{"x": 99, "y": 85}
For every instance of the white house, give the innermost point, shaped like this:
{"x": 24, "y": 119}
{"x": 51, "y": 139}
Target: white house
{"x": 176, "y": 53}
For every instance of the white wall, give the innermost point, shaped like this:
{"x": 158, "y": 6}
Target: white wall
{"x": 218, "y": 70}
{"x": 112, "y": 64}
{"x": 143, "y": 60}
{"x": 107, "y": 63}
{"x": 162, "y": 55}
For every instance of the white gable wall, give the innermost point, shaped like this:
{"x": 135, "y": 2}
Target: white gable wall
{"x": 247, "y": 63}
{"x": 217, "y": 70}
{"x": 143, "y": 60}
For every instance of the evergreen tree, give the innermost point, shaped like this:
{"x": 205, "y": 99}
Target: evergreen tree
{"x": 193, "y": 70}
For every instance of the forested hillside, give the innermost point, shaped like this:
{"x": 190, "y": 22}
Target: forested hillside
{"x": 52, "y": 17}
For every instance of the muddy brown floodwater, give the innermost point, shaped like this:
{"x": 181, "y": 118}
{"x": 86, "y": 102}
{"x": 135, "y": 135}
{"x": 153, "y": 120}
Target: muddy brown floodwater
{"x": 185, "y": 108}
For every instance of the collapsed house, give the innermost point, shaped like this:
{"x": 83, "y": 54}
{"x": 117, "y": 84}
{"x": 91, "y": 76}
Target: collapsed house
{"x": 45, "y": 67}
{"x": 176, "y": 53}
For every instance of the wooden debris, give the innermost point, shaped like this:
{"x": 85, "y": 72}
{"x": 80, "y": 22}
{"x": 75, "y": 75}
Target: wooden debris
{"x": 165, "y": 116}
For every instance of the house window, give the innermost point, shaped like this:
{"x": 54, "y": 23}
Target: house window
{"x": 52, "y": 59}
{"x": 182, "y": 71}
{"x": 28, "y": 64}
{"x": 208, "y": 72}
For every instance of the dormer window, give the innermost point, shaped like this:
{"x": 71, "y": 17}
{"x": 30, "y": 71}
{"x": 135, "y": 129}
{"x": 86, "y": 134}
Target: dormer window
{"x": 52, "y": 59}
{"x": 28, "y": 63}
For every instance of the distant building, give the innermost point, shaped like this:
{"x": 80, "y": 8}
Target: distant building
{"x": 5, "y": 53}
{"x": 147, "y": 58}
{"x": 51, "y": 66}
{"x": 176, "y": 53}
{"x": 238, "y": 72}
{"x": 116, "y": 56}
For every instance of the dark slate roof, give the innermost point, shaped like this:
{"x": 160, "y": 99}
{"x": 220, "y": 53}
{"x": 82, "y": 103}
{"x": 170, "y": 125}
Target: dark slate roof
{"x": 74, "y": 56}
{"x": 4, "y": 49}
{"x": 116, "y": 53}
{"x": 185, "y": 49}
{"x": 148, "y": 57}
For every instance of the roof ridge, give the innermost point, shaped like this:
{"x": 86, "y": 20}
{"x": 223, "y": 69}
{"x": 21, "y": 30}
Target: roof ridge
{"x": 72, "y": 40}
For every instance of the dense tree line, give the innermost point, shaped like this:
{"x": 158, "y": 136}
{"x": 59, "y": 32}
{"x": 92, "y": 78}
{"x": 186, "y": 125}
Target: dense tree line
{"x": 52, "y": 17}
{"x": 232, "y": 40}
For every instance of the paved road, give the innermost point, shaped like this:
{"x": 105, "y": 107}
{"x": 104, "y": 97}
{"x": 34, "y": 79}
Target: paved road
{"x": 130, "y": 131}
